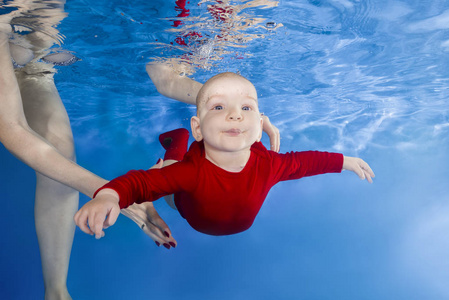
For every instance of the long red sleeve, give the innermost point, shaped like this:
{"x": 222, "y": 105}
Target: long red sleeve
{"x": 215, "y": 201}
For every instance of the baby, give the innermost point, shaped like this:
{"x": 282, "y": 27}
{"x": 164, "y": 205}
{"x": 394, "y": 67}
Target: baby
{"x": 224, "y": 178}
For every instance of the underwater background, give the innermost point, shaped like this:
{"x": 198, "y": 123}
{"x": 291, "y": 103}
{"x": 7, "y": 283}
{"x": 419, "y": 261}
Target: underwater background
{"x": 365, "y": 78}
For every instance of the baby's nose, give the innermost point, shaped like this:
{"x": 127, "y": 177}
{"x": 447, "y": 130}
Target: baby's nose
{"x": 235, "y": 116}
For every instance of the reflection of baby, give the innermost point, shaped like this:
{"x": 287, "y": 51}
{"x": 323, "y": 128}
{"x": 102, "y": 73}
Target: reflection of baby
{"x": 222, "y": 181}
{"x": 208, "y": 39}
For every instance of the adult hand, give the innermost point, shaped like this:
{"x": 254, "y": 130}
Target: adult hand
{"x": 147, "y": 218}
{"x": 273, "y": 133}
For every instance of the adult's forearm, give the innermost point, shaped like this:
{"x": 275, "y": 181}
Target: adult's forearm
{"x": 27, "y": 145}
{"x": 37, "y": 153}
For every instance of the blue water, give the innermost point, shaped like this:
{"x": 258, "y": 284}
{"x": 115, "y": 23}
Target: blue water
{"x": 366, "y": 78}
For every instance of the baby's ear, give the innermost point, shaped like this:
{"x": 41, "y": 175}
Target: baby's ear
{"x": 196, "y": 128}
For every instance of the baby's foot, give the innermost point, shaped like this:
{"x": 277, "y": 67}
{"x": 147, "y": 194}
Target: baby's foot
{"x": 175, "y": 143}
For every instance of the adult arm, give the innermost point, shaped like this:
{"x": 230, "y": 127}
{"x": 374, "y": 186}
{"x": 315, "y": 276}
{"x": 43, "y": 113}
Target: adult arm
{"x": 27, "y": 145}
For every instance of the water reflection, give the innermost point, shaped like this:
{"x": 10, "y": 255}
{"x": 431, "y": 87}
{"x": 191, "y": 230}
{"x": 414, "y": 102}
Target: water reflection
{"x": 382, "y": 61}
{"x": 35, "y": 35}
{"x": 36, "y": 19}
{"x": 210, "y": 31}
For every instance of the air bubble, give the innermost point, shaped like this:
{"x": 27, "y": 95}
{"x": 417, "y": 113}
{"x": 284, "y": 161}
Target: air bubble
{"x": 271, "y": 25}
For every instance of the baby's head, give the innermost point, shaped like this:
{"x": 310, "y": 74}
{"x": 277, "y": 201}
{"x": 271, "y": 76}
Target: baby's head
{"x": 220, "y": 82}
{"x": 227, "y": 113}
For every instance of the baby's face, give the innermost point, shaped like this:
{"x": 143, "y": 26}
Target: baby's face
{"x": 228, "y": 116}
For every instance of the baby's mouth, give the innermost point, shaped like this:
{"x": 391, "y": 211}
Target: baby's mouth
{"x": 233, "y": 131}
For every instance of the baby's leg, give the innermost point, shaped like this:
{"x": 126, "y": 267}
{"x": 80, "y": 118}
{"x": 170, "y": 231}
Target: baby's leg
{"x": 175, "y": 143}
{"x": 55, "y": 203}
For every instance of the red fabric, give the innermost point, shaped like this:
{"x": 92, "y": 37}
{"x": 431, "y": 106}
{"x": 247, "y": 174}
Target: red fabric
{"x": 183, "y": 11}
{"x": 175, "y": 143}
{"x": 213, "y": 200}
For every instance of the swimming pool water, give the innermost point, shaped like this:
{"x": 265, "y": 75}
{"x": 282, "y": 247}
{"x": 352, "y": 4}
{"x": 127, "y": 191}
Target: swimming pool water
{"x": 366, "y": 78}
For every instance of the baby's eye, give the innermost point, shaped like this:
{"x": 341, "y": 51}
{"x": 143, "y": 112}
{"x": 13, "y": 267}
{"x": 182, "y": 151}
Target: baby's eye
{"x": 217, "y": 107}
{"x": 246, "y": 108}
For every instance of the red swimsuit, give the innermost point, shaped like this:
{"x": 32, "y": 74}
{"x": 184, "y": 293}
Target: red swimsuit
{"x": 215, "y": 201}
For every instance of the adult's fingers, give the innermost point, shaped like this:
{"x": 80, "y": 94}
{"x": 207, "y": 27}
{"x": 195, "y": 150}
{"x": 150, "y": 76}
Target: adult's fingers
{"x": 273, "y": 133}
{"x": 155, "y": 233}
{"x": 144, "y": 215}
{"x": 276, "y": 146}
{"x": 159, "y": 225}
{"x": 138, "y": 213}
{"x": 159, "y": 164}
{"x": 275, "y": 140}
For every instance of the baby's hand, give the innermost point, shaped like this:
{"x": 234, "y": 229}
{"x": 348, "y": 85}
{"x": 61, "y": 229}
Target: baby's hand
{"x": 91, "y": 217}
{"x": 358, "y": 166}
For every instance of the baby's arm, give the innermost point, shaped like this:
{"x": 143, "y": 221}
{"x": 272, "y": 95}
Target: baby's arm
{"x": 358, "y": 166}
{"x": 136, "y": 186}
{"x": 91, "y": 218}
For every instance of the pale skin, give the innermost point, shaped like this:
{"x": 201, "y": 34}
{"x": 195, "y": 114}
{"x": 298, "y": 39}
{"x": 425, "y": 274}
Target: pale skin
{"x": 35, "y": 128}
{"x": 168, "y": 81}
{"x": 229, "y": 122}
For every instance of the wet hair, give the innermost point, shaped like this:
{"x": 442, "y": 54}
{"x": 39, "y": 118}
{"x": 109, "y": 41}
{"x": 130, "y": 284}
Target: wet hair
{"x": 202, "y": 92}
